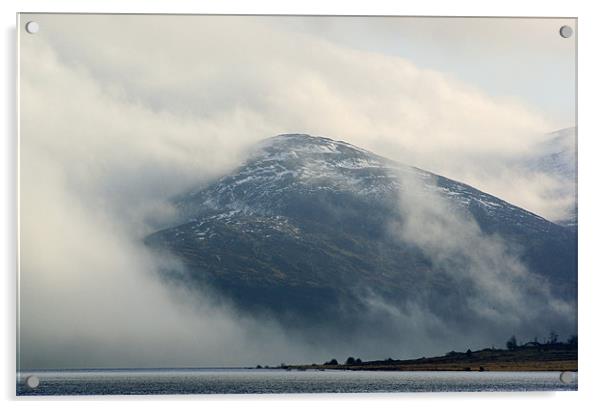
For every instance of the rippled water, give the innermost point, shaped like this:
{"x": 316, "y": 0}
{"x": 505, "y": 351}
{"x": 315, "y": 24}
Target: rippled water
{"x": 212, "y": 381}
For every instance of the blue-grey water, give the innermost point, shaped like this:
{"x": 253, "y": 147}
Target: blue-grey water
{"x": 236, "y": 381}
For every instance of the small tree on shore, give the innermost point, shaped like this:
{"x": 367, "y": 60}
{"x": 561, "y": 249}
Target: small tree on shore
{"x": 552, "y": 338}
{"x": 511, "y": 343}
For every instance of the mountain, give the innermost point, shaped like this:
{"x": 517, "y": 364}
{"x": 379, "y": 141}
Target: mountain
{"x": 307, "y": 231}
{"x": 556, "y": 157}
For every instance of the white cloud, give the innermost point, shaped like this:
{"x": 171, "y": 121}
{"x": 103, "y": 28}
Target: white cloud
{"x": 240, "y": 79}
{"x": 506, "y": 292}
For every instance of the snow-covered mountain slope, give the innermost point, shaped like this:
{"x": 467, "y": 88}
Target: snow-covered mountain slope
{"x": 302, "y": 164}
{"x": 556, "y": 157}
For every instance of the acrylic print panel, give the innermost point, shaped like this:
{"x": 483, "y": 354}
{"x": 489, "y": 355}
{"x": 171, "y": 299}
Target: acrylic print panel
{"x": 307, "y": 204}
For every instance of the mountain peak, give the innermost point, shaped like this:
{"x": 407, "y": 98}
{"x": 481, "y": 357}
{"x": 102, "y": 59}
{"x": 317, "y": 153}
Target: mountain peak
{"x": 287, "y": 168}
{"x": 299, "y": 137}
{"x": 309, "y": 144}
{"x": 306, "y": 157}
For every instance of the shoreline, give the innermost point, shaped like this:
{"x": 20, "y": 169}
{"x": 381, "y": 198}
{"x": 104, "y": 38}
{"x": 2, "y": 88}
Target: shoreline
{"x": 556, "y": 366}
{"x": 531, "y": 358}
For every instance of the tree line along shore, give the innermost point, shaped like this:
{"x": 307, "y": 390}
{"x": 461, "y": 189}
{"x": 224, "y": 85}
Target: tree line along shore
{"x": 550, "y": 355}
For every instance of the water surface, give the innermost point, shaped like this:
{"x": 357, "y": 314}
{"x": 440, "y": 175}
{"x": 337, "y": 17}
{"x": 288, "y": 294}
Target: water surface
{"x": 236, "y": 381}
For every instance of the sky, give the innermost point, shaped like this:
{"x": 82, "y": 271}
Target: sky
{"x": 120, "y": 113}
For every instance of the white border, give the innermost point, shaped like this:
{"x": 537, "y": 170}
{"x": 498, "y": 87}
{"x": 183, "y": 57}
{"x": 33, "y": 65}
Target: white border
{"x": 590, "y": 271}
